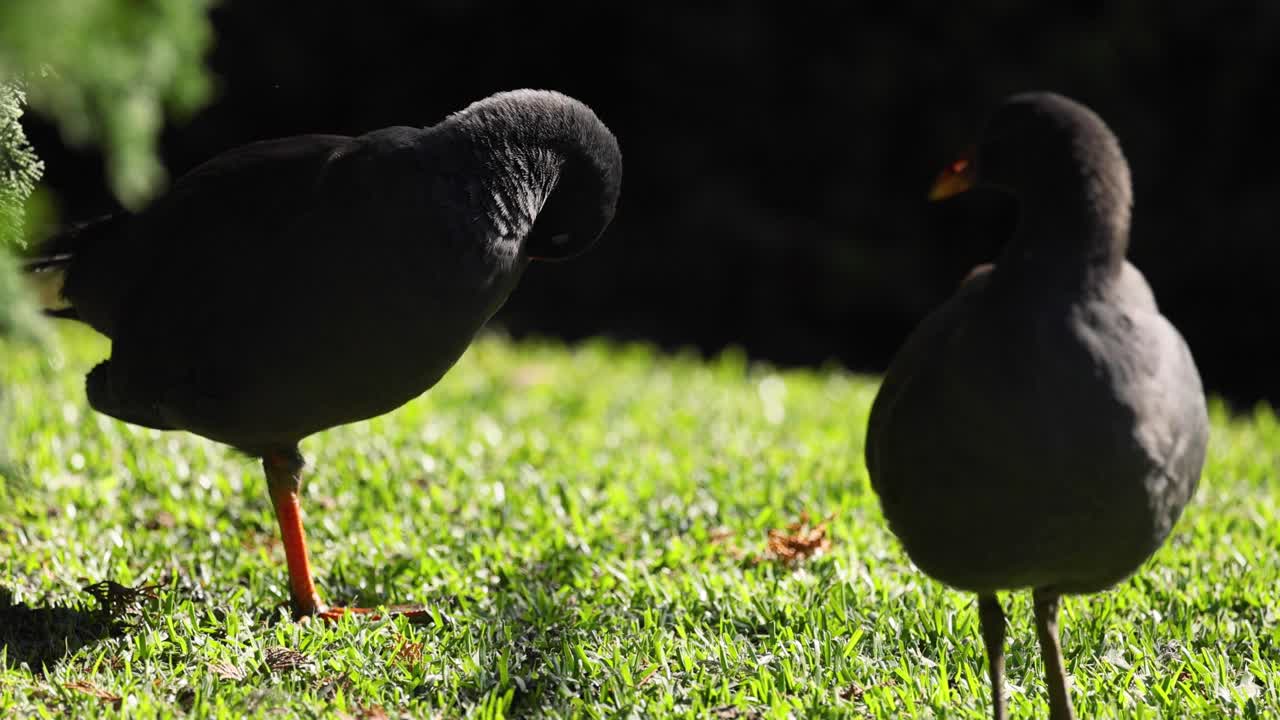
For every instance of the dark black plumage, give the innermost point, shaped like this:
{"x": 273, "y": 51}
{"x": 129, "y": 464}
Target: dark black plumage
{"x": 292, "y": 285}
{"x": 1046, "y": 426}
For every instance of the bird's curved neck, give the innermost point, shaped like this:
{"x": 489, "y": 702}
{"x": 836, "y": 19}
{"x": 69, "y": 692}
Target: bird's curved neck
{"x": 518, "y": 186}
{"x": 504, "y": 184}
{"x": 1069, "y": 238}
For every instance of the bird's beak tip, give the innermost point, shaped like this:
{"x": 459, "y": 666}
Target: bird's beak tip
{"x": 955, "y": 178}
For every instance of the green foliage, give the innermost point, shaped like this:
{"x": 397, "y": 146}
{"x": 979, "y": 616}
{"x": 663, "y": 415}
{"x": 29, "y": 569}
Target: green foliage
{"x": 20, "y": 170}
{"x": 108, "y": 70}
{"x": 584, "y": 525}
{"x": 19, "y": 317}
{"x": 19, "y": 322}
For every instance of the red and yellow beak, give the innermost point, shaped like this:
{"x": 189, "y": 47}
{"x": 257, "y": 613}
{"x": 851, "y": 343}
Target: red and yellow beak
{"x": 955, "y": 178}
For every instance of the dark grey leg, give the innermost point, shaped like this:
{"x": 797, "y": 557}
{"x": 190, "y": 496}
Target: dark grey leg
{"x": 992, "y": 616}
{"x": 1055, "y": 674}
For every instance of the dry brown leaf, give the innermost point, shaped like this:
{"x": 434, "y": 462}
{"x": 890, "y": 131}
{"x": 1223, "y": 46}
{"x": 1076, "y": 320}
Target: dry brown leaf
{"x": 853, "y": 693}
{"x": 409, "y": 652}
{"x": 89, "y": 688}
{"x": 329, "y": 687}
{"x": 372, "y": 712}
{"x": 719, "y": 535}
{"x": 254, "y": 539}
{"x": 729, "y": 712}
{"x": 800, "y": 540}
{"x": 227, "y": 671}
{"x": 163, "y": 519}
{"x": 281, "y": 658}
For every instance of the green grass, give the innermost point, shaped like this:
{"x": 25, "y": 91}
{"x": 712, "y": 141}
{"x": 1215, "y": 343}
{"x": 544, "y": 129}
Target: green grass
{"x": 588, "y": 526}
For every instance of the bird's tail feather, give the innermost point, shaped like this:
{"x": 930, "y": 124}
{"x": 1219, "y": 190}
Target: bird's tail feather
{"x": 47, "y": 270}
{"x": 42, "y": 264}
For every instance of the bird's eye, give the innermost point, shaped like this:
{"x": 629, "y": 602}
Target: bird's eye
{"x": 560, "y": 239}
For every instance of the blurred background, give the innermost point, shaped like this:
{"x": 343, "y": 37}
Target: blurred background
{"x": 778, "y": 154}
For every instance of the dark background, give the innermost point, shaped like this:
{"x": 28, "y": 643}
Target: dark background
{"x": 778, "y": 155}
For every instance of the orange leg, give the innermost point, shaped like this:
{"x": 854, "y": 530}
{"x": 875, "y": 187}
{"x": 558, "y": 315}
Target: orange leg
{"x": 284, "y": 478}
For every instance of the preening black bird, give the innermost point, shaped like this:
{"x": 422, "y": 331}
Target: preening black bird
{"x": 292, "y": 285}
{"x": 1046, "y": 426}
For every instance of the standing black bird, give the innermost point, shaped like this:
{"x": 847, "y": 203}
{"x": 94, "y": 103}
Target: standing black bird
{"x": 1046, "y": 426}
{"x": 292, "y": 285}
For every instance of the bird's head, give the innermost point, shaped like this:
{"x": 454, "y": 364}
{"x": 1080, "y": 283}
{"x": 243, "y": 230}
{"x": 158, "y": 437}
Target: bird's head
{"x": 561, "y": 169}
{"x": 585, "y": 196}
{"x": 1066, "y": 170}
{"x": 1040, "y": 145}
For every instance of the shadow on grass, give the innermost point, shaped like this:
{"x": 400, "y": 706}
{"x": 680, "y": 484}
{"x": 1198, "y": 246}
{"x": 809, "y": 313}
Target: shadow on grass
{"x": 537, "y": 621}
{"x": 40, "y": 637}
{"x": 532, "y": 621}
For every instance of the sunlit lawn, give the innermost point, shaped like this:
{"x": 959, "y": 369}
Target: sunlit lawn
{"x": 590, "y": 527}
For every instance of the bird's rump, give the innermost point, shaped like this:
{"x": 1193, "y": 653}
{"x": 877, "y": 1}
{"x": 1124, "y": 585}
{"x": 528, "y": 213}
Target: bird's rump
{"x": 225, "y": 207}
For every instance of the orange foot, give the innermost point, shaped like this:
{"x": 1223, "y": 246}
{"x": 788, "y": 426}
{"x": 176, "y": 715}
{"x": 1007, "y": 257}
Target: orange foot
{"x": 413, "y": 613}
